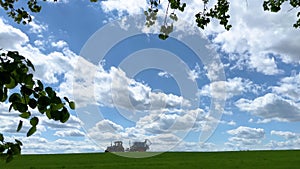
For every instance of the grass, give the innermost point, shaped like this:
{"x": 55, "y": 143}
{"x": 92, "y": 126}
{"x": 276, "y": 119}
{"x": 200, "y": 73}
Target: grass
{"x": 171, "y": 160}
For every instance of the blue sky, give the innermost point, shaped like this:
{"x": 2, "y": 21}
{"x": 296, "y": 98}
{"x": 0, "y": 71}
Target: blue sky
{"x": 211, "y": 90}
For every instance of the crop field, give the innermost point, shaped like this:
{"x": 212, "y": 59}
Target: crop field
{"x": 170, "y": 160}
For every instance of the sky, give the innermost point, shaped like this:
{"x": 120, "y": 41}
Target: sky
{"x": 199, "y": 90}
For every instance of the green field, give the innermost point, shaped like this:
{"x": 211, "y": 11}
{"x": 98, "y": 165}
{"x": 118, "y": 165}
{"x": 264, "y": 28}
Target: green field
{"x": 170, "y": 160}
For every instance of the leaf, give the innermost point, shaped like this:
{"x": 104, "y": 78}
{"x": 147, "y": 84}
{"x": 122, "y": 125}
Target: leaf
{"x": 40, "y": 84}
{"x": 65, "y": 115}
{"x": 67, "y": 100}
{"x": 50, "y": 91}
{"x": 55, "y": 107}
{"x": 12, "y": 84}
{"x": 15, "y": 97}
{"x": 31, "y": 131}
{"x": 3, "y": 94}
{"x": 32, "y": 103}
{"x": 162, "y": 36}
{"x": 16, "y": 149}
{"x": 21, "y": 107}
{"x": 29, "y": 64}
{"x": 1, "y": 137}
{"x": 10, "y": 107}
{"x": 43, "y": 101}
{"x": 19, "y": 142}
{"x": 20, "y": 125}
{"x": 34, "y": 121}
{"x": 25, "y": 115}
{"x": 48, "y": 114}
{"x": 72, "y": 105}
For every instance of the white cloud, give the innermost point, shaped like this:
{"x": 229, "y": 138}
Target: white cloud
{"x": 253, "y": 37}
{"x": 11, "y": 38}
{"x": 70, "y": 132}
{"x": 271, "y": 107}
{"x": 289, "y": 87}
{"x": 130, "y": 6}
{"x": 41, "y": 145}
{"x": 230, "y": 88}
{"x": 291, "y": 144}
{"x": 37, "y": 27}
{"x": 195, "y": 73}
{"x": 59, "y": 44}
{"x": 73, "y": 123}
{"x": 232, "y": 123}
{"x": 247, "y": 132}
{"x": 58, "y": 1}
{"x": 245, "y": 137}
{"x": 164, "y": 74}
{"x": 285, "y": 134}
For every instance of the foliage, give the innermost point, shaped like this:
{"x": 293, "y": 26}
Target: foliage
{"x": 18, "y": 87}
{"x": 219, "y": 12}
{"x": 275, "y": 6}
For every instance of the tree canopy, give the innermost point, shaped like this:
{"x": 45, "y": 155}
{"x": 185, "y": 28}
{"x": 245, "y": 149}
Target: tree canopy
{"x": 25, "y": 94}
{"x": 219, "y": 11}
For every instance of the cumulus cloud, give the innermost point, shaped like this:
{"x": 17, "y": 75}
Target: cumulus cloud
{"x": 230, "y": 88}
{"x": 68, "y": 133}
{"x": 11, "y": 38}
{"x": 284, "y": 134}
{"x": 36, "y": 27}
{"x": 244, "y": 137}
{"x": 289, "y": 87}
{"x": 271, "y": 107}
{"x": 164, "y": 74}
{"x": 58, "y": 1}
{"x": 257, "y": 40}
{"x": 59, "y": 44}
{"x": 122, "y": 7}
{"x": 195, "y": 73}
{"x": 290, "y": 141}
{"x": 74, "y": 123}
{"x": 41, "y": 145}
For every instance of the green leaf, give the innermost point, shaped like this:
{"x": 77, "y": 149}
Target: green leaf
{"x": 21, "y": 107}
{"x": 20, "y": 125}
{"x": 48, "y": 114}
{"x": 15, "y": 97}
{"x": 12, "y": 84}
{"x": 31, "y": 131}
{"x": 40, "y": 84}
{"x": 19, "y": 142}
{"x": 32, "y": 103}
{"x": 3, "y": 94}
{"x": 72, "y": 105}
{"x": 10, "y": 107}
{"x": 16, "y": 149}
{"x": 67, "y": 100}
{"x": 29, "y": 64}
{"x": 34, "y": 121}
{"x": 163, "y": 36}
{"x": 65, "y": 115}
{"x": 29, "y": 80}
{"x": 25, "y": 115}
{"x": 50, "y": 91}
{"x": 1, "y": 137}
{"x": 44, "y": 101}
{"x": 55, "y": 107}
{"x": 26, "y": 91}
